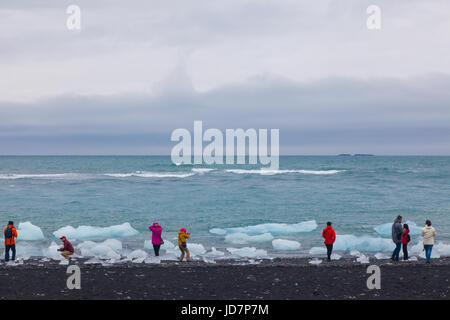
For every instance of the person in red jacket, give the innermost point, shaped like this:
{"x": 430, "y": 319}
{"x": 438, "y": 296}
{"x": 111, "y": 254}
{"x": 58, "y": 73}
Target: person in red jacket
{"x": 405, "y": 240}
{"x": 330, "y": 236}
{"x": 67, "y": 250}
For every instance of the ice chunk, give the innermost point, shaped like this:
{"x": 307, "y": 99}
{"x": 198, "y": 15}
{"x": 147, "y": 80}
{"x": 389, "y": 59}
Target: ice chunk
{"x": 442, "y": 248}
{"x": 335, "y": 256}
{"x": 355, "y": 253}
{"x": 154, "y": 260}
{"x": 287, "y": 245}
{"x": 385, "y": 230}
{"x": 108, "y": 249}
{"x": 274, "y": 228}
{"x": 52, "y": 252}
{"x": 349, "y": 242}
{"x": 243, "y": 238}
{"x": 196, "y": 249}
{"x": 89, "y": 232}
{"x": 382, "y": 256}
{"x": 214, "y": 253}
{"x": 138, "y": 256}
{"x": 363, "y": 259}
{"x": 317, "y": 251}
{"x": 247, "y": 252}
{"x": 29, "y": 232}
{"x": 315, "y": 261}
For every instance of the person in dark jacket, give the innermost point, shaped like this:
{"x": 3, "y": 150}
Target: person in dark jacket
{"x": 67, "y": 249}
{"x": 405, "y": 237}
{"x": 10, "y": 234}
{"x": 330, "y": 236}
{"x": 397, "y": 231}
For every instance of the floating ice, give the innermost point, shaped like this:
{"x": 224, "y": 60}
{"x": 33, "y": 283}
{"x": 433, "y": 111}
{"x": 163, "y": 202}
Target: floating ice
{"x": 285, "y": 245}
{"x": 89, "y": 232}
{"x": 386, "y": 229}
{"x": 315, "y": 261}
{"x": 29, "y": 232}
{"x": 243, "y": 238}
{"x": 247, "y": 252}
{"x": 108, "y": 249}
{"x": 364, "y": 243}
{"x": 274, "y": 228}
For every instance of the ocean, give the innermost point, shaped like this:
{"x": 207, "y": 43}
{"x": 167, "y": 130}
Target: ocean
{"x": 239, "y": 210}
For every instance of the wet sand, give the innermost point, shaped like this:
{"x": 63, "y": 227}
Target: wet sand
{"x": 277, "y": 279}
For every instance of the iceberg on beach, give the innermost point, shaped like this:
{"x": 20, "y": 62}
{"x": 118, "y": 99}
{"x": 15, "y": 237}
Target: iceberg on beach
{"x": 385, "y": 230}
{"x": 52, "y": 252}
{"x": 348, "y": 242}
{"x": 317, "y": 251}
{"x": 247, "y": 252}
{"x": 29, "y": 232}
{"x": 243, "y": 238}
{"x": 108, "y": 249}
{"x": 285, "y": 245}
{"x": 273, "y": 228}
{"x": 90, "y": 232}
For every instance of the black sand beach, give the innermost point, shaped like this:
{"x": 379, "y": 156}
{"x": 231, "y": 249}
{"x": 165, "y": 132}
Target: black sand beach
{"x": 277, "y": 279}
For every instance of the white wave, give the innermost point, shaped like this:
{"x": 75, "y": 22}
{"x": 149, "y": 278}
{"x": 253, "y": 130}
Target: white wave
{"x": 274, "y": 228}
{"x": 144, "y": 174}
{"x": 285, "y": 245}
{"x": 90, "y": 232}
{"x": 273, "y": 172}
{"x": 29, "y": 232}
{"x": 386, "y": 229}
{"x": 14, "y": 176}
{"x": 243, "y": 238}
{"x": 201, "y": 170}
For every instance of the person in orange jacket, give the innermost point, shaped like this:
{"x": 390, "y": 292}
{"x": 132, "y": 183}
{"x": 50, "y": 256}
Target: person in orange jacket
{"x": 330, "y": 236}
{"x": 10, "y": 234}
{"x": 182, "y": 236}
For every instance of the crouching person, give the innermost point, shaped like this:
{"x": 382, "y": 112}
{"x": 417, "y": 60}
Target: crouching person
{"x": 67, "y": 250}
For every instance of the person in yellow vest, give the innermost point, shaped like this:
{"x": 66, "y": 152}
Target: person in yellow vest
{"x": 182, "y": 236}
{"x": 10, "y": 234}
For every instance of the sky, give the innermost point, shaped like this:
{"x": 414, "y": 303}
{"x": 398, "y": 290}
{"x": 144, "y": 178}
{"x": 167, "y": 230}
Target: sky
{"x": 137, "y": 70}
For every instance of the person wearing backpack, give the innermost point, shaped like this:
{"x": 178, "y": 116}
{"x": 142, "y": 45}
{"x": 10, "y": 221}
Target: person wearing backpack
{"x": 10, "y": 234}
{"x": 405, "y": 239}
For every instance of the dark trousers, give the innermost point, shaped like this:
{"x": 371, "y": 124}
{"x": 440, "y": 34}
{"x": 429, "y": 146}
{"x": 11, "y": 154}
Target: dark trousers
{"x": 329, "y": 250}
{"x": 405, "y": 251}
{"x": 156, "y": 248}
{"x": 396, "y": 253}
{"x": 13, "y": 249}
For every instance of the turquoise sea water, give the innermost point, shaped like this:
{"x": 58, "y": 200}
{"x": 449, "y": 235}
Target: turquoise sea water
{"x": 355, "y": 193}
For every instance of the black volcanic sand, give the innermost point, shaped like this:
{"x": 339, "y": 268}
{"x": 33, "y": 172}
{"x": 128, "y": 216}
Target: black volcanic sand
{"x": 269, "y": 279}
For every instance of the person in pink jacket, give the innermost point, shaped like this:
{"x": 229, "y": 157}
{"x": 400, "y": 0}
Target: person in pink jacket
{"x": 157, "y": 241}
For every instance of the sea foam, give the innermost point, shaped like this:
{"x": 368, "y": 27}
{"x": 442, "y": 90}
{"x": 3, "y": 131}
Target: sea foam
{"x": 273, "y": 172}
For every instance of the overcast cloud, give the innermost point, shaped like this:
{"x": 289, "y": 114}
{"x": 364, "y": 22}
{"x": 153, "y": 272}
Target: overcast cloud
{"x": 139, "y": 69}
